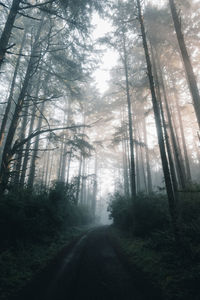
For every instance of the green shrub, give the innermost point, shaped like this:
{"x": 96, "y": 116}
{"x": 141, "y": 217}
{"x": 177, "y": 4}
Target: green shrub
{"x": 31, "y": 216}
{"x": 150, "y": 214}
{"x": 143, "y": 216}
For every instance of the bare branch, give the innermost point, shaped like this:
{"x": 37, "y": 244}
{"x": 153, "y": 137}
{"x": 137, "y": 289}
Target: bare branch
{"x": 36, "y": 5}
{"x": 19, "y": 144}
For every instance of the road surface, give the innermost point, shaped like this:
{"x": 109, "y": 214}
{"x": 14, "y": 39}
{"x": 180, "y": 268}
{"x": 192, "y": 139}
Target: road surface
{"x": 91, "y": 270}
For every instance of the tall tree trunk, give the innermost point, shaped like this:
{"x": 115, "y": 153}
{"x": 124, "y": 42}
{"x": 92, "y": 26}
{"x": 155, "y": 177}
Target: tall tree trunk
{"x": 132, "y": 162}
{"x": 168, "y": 183}
{"x": 64, "y": 154}
{"x": 69, "y": 164}
{"x": 50, "y": 170}
{"x": 168, "y": 147}
{"x": 5, "y": 36}
{"x": 169, "y": 152}
{"x": 125, "y": 167}
{"x": 47, "y": 169}
{"x": 187, "y": 163}
{"x": 83, "y": 180}
{"x": 79, "y": 179}
{"x": 186, "y": 60}
{"x": 26, "y": 154}
{"x": 60, "y": 160}
{"x": 137, "y": 165}
{"x": 149, "y": 177}
{"x": 177, "y": 154}
{"x": 142, "y": 160}
{"x": 19, "y": 154}
{"x": 35, "y": 152}
{"x": 10, "y": 98}
{"x": 64, "y": 160}
{"x": 94, "y": 194}
{"x": 7, "y": 152}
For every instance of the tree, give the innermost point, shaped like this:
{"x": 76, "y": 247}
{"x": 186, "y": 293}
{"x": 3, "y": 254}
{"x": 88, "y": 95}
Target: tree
{"x": 168, "y": 183}
{"x": 186, "y": 60}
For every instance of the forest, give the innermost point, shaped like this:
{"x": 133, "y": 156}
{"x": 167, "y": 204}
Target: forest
{"x": 100, "y": 149}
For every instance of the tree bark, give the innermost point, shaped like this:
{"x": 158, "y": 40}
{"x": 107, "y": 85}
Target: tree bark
{"x": 69, "y": 164}
{"x": 26, "y": 154}
{"x": 7, "y": 153}
{"x": 186, "y": 60}
{"x": 185, "y": 151}
{"x": 5, "y": 36}
{"x": 79, "y": 179}
{"x": 149, "y": 177}
{"x": 138, "y": 183}
{"x": 10, "y": 98}
{"x": 94, "y": 194}
{"x": 132, "y": 162}
{"x": 19, "y": 154}
{"x": 35, "y": 152}
{"x": 177, "y": 155}
{"x": 64, "y": 154}
{"x": 168, "y": 183}
{"x": 141, "y": 148}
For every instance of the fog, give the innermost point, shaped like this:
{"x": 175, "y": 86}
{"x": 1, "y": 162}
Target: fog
{"x": 65, "y": 83}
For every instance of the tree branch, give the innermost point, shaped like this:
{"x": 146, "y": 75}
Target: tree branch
{"x": 36, "y": 5}
{"x": 19, "y": 144}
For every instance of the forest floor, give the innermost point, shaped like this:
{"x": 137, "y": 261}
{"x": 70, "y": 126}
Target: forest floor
{"x": 92, "y": 269}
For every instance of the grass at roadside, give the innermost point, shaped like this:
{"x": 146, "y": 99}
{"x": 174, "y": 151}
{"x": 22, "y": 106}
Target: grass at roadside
{"x": 159, "y": 263}
{"x": 20, "y": 263}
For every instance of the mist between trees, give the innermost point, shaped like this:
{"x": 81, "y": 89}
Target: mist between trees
{"x": 140, "y": 136}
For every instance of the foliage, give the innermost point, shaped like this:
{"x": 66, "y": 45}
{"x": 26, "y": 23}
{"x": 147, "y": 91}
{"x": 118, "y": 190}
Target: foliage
{"x": 34, "y": 226}
{"x": 31, "y": 216}
{"x": 147, "y": 241}
{"x": 157, "y": 260}
{"x": 141, "y": 217}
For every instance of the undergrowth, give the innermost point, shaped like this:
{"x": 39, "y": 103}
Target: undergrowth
{"x": 34, "y": 226}
{"x": 144, "y": 233}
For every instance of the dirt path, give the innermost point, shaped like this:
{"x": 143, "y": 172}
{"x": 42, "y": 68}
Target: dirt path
{"x": 91, "y": 270}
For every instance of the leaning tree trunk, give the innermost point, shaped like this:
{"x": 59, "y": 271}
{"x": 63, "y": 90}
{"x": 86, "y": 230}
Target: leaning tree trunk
{"x": 186, "y": 60}
{"x": 169, "y": 152}
{"x": 168, "y": 183}
{"x": 168, "y": 147}
{"x": 10, "y": 98}
{"x": 187, "y": 163}
{"x": 185, "y": 151}
{"x": 132, "y": 162}
{"x": 177, "y": 156}
{"x": 5, "y": 36}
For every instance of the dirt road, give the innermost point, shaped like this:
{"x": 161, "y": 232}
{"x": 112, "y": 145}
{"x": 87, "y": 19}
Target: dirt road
{"x": 91, "y": 270}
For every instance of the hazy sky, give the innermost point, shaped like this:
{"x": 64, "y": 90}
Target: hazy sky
{"x": 109, "y": 57}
